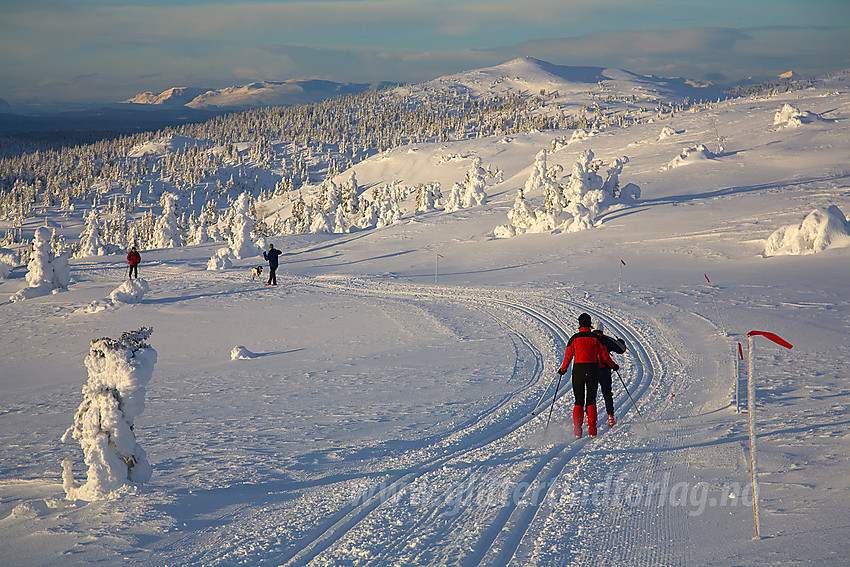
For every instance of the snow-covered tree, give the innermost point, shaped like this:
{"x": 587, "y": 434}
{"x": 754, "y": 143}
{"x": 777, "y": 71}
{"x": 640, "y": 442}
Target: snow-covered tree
{"x": 428, "y": 196}
{"x": 349, "y": 193}
{"x": 114, "y": 395}
{"x": 91, "y": 239}
{"x": 474, "y": 184}
{"x": 455, "y": 200}
{"x": 241, "y": 226}
{"x": 583, "y": 178}
{"x": 167, "y": 231}
{"x": 46, "y": 273}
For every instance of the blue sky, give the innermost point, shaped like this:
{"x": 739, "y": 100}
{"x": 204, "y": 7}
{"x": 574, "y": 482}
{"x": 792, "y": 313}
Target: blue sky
{"x": 110, "y": 50}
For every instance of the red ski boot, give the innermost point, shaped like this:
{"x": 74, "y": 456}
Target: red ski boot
{"x": 611, "y": 421}
{"x": 591, "y": 421}
{"x": 578, "y": 413}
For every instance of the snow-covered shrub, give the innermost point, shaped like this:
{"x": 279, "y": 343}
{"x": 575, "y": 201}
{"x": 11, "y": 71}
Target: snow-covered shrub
{"x": 130, "y": 291}
{"x": 666, "y": 132}
{"x": 821, "y": 229}
{"x": 46, "y": 273}
{"x": 630, "y": 192}
{"x": 222, "y": 260}
{"x": 688, "y": 156}
{"x": 114, "y": 395}
{"x": 570, "y": 207}
{"x": 5, "y": 268}
{"x": 241, "y": 353}
{"x": 791, "y": 117}
{"x": 578, "y": 135}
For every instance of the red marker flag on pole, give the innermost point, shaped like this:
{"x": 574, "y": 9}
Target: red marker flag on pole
{"x": 623, "y": 263}
{"x": 773, "y": 337}
{"x": 740, "y": 351}
{"x": 706, "y": 278}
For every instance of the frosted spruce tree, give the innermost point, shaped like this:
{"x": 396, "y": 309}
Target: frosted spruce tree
{"x": 46, "y": 273}
{"x": 167, "y": 231}
{"x": 114, "y": 395}
{"x": 91, "y": 239}
{"x": 473, "y": 185}
{"x": 240, "y": 228}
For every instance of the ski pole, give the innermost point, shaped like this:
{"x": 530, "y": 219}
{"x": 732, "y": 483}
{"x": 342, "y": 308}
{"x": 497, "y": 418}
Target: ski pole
{"x": 543, "y": 394}
{"x": 555, "y": 397}
{"x": 631, "y": 398}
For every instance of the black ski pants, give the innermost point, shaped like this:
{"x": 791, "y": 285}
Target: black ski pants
{"x": 134, "y": 268}
{"x": 272, "y": 276}
{"x": 605, "y": 383}
{"x": 585, "y": 383}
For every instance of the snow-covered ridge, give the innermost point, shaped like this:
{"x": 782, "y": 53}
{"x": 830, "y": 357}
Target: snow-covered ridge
{"x": 253, "y": 95}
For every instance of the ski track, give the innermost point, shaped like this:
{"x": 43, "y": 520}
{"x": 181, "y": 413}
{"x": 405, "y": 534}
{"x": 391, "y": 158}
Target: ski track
{"x": 501, "y": 442}
{"x": 387, "y": 526}
{"x": 512, "y": 533}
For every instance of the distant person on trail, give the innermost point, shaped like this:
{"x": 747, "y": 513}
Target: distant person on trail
{"x": 271, "y": 256}
{"x": 134, "y": 258}
{"x": 617, "y": 345}
{"x": 589, "y": 354}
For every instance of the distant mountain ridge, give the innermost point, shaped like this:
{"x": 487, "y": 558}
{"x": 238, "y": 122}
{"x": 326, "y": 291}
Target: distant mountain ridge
{"x": 525, "y": 74}
{"x": 254, "y": 95}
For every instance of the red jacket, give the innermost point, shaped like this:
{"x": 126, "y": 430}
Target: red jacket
{"x": 134, "y": 258}
{"x": 585, "y": 347}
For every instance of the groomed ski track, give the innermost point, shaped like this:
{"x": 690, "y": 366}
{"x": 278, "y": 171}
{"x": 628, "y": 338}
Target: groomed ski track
{"x": 456, "y": 527}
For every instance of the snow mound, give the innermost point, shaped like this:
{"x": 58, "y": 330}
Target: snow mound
{"x": 821, "y": 229}
{"x": 791, "y": 117}
{"x": 689, "y": 156}
{"x": 241, "y": 353}
{"x": 131, "y": 291}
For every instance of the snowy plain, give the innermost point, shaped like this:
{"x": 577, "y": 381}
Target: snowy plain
{"x": 383, "y": 414}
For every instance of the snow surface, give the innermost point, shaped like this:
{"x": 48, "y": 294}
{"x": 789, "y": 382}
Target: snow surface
{"x": 385, "y": 417}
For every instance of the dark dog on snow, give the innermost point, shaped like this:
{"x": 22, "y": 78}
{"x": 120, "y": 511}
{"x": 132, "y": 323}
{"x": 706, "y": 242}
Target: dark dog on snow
{"x": 256, "y": 272}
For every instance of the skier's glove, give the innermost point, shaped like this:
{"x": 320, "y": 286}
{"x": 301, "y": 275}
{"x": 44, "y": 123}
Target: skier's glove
{"x": 616, "y": 367}
{"x": 561, "y": 372}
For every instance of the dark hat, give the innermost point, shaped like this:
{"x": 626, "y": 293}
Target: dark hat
{"x": 584, "y": 320}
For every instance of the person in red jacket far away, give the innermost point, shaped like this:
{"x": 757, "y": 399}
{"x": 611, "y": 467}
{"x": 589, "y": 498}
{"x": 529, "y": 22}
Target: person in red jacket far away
{"x": 134, "y": 258}
{"x": 587, "y": 354}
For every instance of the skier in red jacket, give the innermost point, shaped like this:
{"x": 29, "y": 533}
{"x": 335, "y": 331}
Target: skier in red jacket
{"x": 587, "y": 354}
{"x": 134, "y": 258}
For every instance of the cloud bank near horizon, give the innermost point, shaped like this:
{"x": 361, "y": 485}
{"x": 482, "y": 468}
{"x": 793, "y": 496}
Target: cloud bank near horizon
{"x": 81, "y": 50}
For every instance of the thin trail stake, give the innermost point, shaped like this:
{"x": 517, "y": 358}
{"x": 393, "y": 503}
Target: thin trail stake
{"x": 711, "y": 293}
{"x": 632, "y": 399}
{"x": 553, "y": 404}
{"x": 543, "y": 394}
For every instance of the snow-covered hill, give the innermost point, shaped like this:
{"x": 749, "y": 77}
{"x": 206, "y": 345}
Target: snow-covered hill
{"x": 533, "y": 76}
{"x": 378, "y": 410}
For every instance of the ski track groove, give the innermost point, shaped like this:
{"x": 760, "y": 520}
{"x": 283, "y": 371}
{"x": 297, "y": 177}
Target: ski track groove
{"x": 510, "y": 530}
